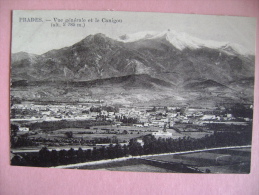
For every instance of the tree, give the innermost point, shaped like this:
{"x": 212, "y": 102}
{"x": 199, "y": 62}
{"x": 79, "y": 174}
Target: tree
{"x": 71, "y": 155}
{"x": 18, "y": 160}
{"x": 69, "y": 134}
{"x": 44, "y": 157}
{"x": 135, "y": 148}
{"x": 63, "y": 156}
{"x": 149, "y": 144}
{"x": 14, "y": 130}
{"x": 80, "y": 155}
{"x": 125, "y": 132}
{"x": 125, "y": 150}
{"x": 88, "y": 154}
{"x": 14, "y": 138}
{"x": 54, "y": 157}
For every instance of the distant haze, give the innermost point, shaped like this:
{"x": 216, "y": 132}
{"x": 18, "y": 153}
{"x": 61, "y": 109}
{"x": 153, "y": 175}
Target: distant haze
{"x": 40, "y": 37}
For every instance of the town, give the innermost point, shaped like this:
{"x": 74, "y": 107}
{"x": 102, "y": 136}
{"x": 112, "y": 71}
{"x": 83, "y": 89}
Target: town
{"x": 99, "y": 118}
{"x": 142, "y": 116}
{"x": 63, "y": 134}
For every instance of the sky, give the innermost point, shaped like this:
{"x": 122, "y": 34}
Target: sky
{"x": 40, "y": 36}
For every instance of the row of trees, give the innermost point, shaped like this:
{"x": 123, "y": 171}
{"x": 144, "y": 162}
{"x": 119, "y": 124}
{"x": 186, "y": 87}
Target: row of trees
{"x": 55, "y": 125}
{"x": 106, "y": 108}
{"x": 46, "y": 158}
{"x": 21, "y": 141}
{"x": 160, "y": 145}
{"x": 240, "y": 110}
{"x": 126, "y": 120}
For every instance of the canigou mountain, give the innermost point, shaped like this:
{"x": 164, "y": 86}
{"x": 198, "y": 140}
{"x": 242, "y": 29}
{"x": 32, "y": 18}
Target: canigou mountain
{"x": 167, "y": 62}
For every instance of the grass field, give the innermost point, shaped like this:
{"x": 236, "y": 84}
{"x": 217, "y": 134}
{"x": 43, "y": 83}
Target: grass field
{"x": 229, "y": 162}
{"x": 218, "y": 161}
{"x": 87, "y": 134}
{"x": 140, "y": 168}
{"x": 132, "y": 165}
{"x": 57, "y": 138}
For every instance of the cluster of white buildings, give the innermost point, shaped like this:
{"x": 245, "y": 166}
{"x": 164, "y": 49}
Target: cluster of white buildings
{"x": 146, "y": 116}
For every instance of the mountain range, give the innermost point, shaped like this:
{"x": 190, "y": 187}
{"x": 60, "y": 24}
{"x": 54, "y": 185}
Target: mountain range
{"x": 140, "y": 68}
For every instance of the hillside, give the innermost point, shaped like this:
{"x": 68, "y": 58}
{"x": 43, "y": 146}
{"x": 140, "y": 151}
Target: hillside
{"x": 174, "y": 64}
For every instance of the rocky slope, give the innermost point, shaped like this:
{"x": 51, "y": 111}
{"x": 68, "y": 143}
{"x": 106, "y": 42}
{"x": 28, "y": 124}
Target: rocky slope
{"x": 164, "y": 61}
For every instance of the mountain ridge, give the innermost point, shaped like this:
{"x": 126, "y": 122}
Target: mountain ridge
{"x": 183, "y": 40}
{"x": 149, "y": 63}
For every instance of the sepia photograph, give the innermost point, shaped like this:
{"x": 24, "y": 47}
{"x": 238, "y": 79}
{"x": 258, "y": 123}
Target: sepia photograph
{"x": 132, "y": 91}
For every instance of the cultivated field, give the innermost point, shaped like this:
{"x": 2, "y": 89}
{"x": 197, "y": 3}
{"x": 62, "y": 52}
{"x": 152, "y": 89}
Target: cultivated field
{"x": 215, "y": 161}
{"x": 218, "y": 161}
{"x": 140, "y": 168}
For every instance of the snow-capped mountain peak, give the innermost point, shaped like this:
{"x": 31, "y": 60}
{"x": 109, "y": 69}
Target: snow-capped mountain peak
{"x": 183, "y": 40}
{"x": 137, "y": 36}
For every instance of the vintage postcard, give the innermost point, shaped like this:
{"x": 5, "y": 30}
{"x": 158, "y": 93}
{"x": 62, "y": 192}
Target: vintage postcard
{"x": 132, "y": 91}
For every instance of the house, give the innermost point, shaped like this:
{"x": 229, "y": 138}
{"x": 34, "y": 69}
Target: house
{"x": 208, "y": 117}
{"x": 140, "y": 141}
{"x": 23, "y": 129}
{"x": 137, "y": 125}
{"x": 146, "y": 124}
{"x": 229, "y": 115}
{"x": 162, "y": 134}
